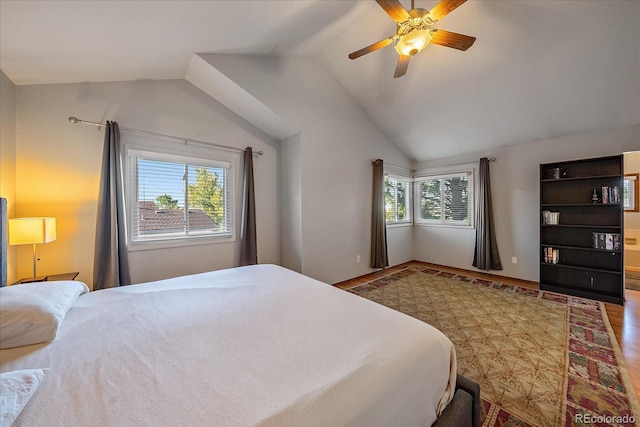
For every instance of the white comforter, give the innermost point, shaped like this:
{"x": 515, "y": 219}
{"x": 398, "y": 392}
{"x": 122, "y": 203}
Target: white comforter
{"x": 257, "y": 345}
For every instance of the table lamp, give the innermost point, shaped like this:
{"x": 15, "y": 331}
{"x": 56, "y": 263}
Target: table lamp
{"x": 32, "y": 231}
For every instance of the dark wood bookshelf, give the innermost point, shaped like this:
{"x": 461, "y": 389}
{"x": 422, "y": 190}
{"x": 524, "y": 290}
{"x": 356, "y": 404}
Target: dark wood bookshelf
{"x": 580, "y": 269}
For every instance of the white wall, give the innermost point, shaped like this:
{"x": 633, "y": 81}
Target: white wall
{"x": 291, "y": 203}
{"x": 314, "y": 189}
{"x": 337, "y": 143}
{"x": 58, "y": 167}
{"x": 8, "y": 159}
{"x": 515, "y": 193}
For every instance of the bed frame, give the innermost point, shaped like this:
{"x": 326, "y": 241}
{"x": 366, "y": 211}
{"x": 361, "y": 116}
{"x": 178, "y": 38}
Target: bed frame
{"x": 464, "y": 409}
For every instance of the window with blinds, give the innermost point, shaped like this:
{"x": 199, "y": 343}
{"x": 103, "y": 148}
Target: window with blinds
{"x": 630, "y": 192}
{"x": 397, "y": 200}
{"x": 445, "y": 199}
{"x": 175, "y": 197}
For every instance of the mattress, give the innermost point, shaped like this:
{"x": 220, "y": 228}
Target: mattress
{"x": 248, "y": 346}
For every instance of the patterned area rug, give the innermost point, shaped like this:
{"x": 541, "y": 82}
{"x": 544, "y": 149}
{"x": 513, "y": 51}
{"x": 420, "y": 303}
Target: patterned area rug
{"x": 541, "y": 359}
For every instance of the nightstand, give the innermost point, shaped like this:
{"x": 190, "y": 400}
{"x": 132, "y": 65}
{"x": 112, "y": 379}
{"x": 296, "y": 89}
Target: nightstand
{"x": 49, "y": 278}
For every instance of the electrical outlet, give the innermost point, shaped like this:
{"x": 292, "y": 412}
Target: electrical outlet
{"x": 357, "y": 258}
{"x": 514, "y": 260}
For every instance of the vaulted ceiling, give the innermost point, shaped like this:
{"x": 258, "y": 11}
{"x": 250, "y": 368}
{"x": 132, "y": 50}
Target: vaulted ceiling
{"x": 538, "y": 69}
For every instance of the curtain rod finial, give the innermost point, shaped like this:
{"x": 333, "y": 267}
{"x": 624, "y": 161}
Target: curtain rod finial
{"x": 73, "y": 120}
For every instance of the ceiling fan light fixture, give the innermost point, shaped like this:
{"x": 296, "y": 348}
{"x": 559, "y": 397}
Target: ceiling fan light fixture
{"x": 414, "y": 32}
{"x": 413, "y": 42}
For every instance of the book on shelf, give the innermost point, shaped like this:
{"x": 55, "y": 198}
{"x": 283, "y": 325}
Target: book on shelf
{"x": 616, "y": 242}
{"x": 607, "y": 241}
{"x": 551, "y": 256}
{"x": 611, "y": 195}
{"x": 550, "y": 218}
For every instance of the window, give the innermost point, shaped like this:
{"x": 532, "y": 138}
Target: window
{"x": 630, "y": 192}
{"x": 397, "y": 200}
{"x": 445, "y": 199}
{"x": 177, "y": 198}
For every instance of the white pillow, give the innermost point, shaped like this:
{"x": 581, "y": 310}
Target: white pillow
{"x": 16, "y": 388}
{"x": 33, "y": 312}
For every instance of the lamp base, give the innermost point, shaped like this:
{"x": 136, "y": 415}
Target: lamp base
{"x": 34, "y": 279}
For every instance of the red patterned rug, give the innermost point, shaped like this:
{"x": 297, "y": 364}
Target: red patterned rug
{"x": 541, "y": 358}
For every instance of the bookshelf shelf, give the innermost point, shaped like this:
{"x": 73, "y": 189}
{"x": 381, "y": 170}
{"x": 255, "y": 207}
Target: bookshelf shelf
{"x": 582, "y": 248}
{"x": 580, "y": 292}
{"x": 573, "y": 255}
{"x": 579, "y": 178}
{"x": 599, "y": 270}
{"x": 583, "y": 226}
{"x": 580, "y": 204}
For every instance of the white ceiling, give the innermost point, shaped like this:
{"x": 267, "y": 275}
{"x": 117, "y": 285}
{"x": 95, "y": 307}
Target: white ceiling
{"x": 538, "y": 70}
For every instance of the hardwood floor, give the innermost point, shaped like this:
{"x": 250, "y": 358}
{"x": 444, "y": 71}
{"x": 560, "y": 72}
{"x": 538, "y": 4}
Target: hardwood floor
{"x": 626, "y": 325}
{"x": 625, "y": 320}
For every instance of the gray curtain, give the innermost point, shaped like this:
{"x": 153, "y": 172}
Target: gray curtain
{"x": 486, "y": 255}
{"x": 248, "y": 241}
{"x": 379, "y": 254}
{"x": 111, "y": 263}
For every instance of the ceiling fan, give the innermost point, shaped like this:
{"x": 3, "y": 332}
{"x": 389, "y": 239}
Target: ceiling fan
{"x": 414, "y": 31}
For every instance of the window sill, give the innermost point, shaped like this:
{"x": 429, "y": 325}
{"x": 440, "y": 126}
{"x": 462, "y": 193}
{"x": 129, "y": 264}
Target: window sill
{"x": 426, "y": 224}
{"x": 399, "y": 224}
{"x": 178, "y": 243}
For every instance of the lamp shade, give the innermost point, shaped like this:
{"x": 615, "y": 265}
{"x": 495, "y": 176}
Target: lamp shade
{"x": 413, "y": 42}
{"x": 25, "y": 231}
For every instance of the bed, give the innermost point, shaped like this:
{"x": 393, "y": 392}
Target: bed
{"x": 249, "y": 346}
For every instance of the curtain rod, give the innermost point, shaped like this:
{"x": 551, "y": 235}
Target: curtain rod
{"x": 491, "y": 159}
{"x": 76, "y": 120}
{"x": 391, "y": 164}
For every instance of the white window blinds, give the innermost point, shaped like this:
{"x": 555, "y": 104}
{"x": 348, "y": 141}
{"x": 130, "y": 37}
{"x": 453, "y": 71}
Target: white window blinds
{"x": 176, "y": 197}
{"x": 445, "y": 199}
{"x": 397, "y": 199}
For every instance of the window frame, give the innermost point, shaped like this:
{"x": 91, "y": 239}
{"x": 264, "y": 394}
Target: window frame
{"x": 633, "y": 192}
{"x": 418, "y": 220}
{"x": 194, "y": 156}
{"x": 409, "y": 202}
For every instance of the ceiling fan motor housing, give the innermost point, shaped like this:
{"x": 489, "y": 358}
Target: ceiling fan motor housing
{"x": 419, "y": 19}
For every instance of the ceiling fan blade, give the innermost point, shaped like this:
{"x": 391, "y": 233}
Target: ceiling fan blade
{"x": 369, "y": 49}
{"x": 402, "y": 65}
{"x": 454, "y": 40}
{"x": 444, "y": 8}
{"x": 394, "y": 8}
